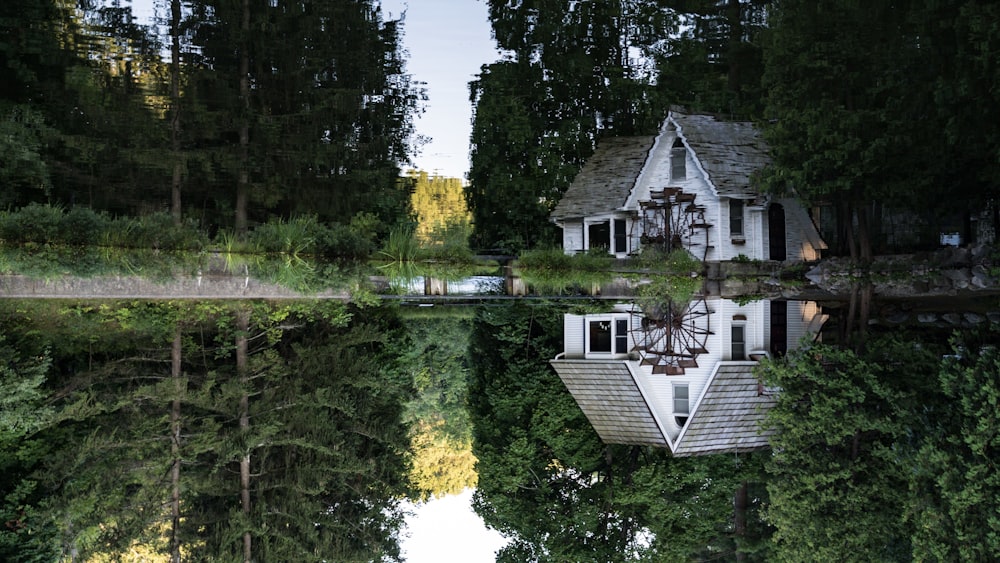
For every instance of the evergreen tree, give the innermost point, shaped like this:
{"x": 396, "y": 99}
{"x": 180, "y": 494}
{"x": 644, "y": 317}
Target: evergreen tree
{"x": 712, "y": 59}
{"x": 326, "y": 123}
{"x": 26, "y": 535}
{"x": 840, "y": 469}
{"x": 567, "y": 78}
{"x": 954, "y": 489}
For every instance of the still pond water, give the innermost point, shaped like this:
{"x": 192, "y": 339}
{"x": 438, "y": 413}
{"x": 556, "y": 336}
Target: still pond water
{"x": 199, "y": 405}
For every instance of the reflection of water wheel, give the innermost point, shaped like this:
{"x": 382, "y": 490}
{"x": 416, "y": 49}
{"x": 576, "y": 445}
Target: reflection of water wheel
{"x": 671, "y": 340}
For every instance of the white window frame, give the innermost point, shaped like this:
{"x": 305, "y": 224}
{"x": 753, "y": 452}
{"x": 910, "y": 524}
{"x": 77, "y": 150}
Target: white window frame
{"x": 742, "y": 219}
{"x": 678, "y": 149}
{"x": 741, "y": 325}
{"x": 611, "y": 220}
{"x": 681, "y": 417}
{"x": 611, "y": 318}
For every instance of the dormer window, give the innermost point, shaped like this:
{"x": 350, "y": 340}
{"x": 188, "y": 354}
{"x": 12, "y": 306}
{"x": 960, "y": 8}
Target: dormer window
{"x": 607, "y": 336}
{"x": 678, "y": 161}
{"x": 681, "y": 404}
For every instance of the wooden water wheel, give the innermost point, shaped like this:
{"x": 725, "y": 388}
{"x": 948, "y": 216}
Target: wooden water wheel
{"x": 670, "y": 339}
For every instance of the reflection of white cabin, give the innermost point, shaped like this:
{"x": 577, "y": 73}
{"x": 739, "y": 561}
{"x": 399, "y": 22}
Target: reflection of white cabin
{"x": 688, "y": 186}
{"x": 708, "y": 401}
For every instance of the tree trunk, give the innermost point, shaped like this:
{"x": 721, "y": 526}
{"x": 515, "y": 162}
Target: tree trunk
{"x": 865, "y": 312}
{"x": 242, "y": 327}
{"x": 843, "y": 227}
{"x": 852, "y": 308}
{"x": 864, "y": 235}
{"x": 175, "y": 103}
{"x": 735, "y": 20}
{"x": 175, "y": 449}
{"x": 740, "y": 501}
{"x": 243, "y": 181}
{"x": 851, "y": 242}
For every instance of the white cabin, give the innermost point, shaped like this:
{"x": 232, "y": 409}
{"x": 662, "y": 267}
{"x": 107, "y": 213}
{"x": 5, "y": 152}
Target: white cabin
{"x": 689, "y": 186}
{"x": 685, "y": 382}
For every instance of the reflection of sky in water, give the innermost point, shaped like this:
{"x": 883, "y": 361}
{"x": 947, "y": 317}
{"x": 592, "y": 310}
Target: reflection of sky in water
{"x": 463, "y": 540}
{"x": 473, "y": 285}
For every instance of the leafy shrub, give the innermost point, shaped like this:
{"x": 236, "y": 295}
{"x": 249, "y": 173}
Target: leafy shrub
{"x": 344, "y": 241}
{"x": 32, "y": 223}
{"x": 155, "y": 231}
{"x": 401, "y": 246}
{"x": 556, "y": 259}
{"x": 299, "y": 235}
{"x": 83, "y": 226}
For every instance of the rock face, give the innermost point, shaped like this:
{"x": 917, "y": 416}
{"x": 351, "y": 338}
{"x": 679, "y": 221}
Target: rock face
{"x": 950, "y": 272}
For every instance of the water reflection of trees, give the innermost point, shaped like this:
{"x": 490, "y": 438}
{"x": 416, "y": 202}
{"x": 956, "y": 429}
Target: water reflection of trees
{"x": 153, "y": 400}
{"x": 884, "y": 451}
{"x": 547, "y": 481}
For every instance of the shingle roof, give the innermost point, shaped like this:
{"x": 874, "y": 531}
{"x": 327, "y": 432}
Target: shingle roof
{"x": 604, "y": 182}
{"x": 729, "y": 151}
{"x": 611, "y": 400}
{"x": 730, "y": 415}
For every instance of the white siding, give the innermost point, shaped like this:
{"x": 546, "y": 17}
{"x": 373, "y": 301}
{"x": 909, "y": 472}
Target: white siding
{"x": 756, "y": 327}
{"x": 573, "y": 339}
{"x": 573, "y": 237}
{"x": 804, "y": 318}
{"x": 656, "y": 176}
{"x": 659, "y": 389}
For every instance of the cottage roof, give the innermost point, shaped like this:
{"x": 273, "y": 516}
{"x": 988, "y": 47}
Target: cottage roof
{"x": 729, "y": 151}
{"x": 730, "y": 416}
{"x": 611, "y": 400}
{"x": 604, "y": 182}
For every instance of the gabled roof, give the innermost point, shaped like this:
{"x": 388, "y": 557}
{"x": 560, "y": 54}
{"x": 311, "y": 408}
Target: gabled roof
{"x": 730, "y": 416}
{"x": 604, "y": 182}
{"x": 611, "y": 400}
{"x": 729, "y": 151}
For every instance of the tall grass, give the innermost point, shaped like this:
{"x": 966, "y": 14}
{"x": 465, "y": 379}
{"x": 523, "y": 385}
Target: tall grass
{"x": 549, "y": 270}
{"x": 401, "y": 246}
{"x": 555, "y": 260}
{"x": 678, "y": 261}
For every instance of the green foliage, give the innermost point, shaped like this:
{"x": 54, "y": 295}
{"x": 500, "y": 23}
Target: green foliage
{"x": 80, "y": 226}
{"x": 23, "y": 133}
{"x": 548, "y": 483}
{"x": 296, "y": 236}
{"x": 85, "y": 114}
{"x": 99, "y": 479}
{"x": 660, "y": 290}
{"x": 711, "y": 60}
{"x": 678, "y": 261}
{"x": 839, "y": 472}
{"x": 439, "y": 205}
{"x": 955, "y": 485}
{"x": 440, "y": 431}
{"x": 554, "y": 259}
{"x": 27, "y": 535}
{"x": 549, "y": 270}
{"x": 401, "y": 246}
